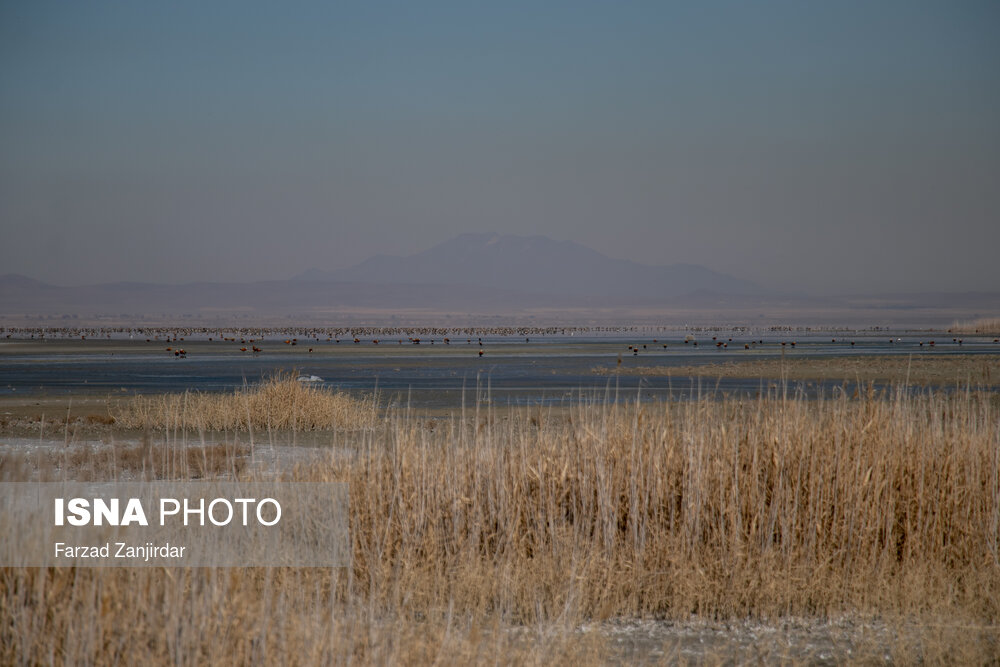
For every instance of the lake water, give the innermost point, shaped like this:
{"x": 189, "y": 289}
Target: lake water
{"x": 547, "y": 370}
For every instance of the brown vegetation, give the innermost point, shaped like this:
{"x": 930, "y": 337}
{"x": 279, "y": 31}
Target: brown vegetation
{"x": 277, "y": 404}
{"x": 143, "y": 460}
{"x": 715, "y": 508}
{"x": 886, "y": 506}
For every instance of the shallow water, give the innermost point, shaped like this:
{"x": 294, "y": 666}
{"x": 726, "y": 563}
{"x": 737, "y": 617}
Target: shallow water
{"x": 545, "y": 371}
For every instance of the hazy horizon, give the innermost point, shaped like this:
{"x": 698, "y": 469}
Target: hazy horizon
{"x": 331, "y": 274}
{"x": 842, "y": 148}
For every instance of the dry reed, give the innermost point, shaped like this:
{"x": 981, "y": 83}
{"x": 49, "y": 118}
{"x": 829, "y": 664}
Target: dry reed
{"x": 885, "y": 506}
{"x": 280, "y": 403}
{"x": 126, "y": 461}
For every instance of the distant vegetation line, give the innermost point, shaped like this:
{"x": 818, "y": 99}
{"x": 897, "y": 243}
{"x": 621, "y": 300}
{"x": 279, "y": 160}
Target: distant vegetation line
{"x": 988, "y": 326}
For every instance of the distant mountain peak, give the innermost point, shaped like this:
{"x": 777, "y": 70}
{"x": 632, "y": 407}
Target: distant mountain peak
{"x": 535, "y": 264}
{"x": 19, "y": 280}
{"x": 476, "y": 236}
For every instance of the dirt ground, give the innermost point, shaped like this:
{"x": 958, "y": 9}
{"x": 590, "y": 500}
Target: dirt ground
{"x": 797, "y": 641}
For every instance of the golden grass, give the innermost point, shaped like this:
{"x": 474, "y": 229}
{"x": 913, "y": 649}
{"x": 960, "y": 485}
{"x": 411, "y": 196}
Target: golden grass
{"x": 143, "y": 460}
{"x": 928, "y": 368}
{"x": 280, "y": 403}
{"x": 727, "y": 509}
{"x": 887, "y": 506}
{"x": 240, "y": 617}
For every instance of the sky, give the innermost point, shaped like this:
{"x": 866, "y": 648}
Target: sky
{"x": 836, "y": 147}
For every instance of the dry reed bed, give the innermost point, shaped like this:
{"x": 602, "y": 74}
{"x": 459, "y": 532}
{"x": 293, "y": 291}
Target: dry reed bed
{"x": 725, "y": 509}
{"x": 280, "y": 403}
{"x": 887, "y": 506}
{"x": 144, "y": 460}
{"x": 241, "y": 617}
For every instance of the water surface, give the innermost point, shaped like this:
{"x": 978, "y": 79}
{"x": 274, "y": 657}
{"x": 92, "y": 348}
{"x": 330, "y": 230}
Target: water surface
{"x": 511, "y": 371}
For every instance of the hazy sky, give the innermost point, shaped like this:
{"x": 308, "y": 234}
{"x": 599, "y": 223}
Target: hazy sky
{"x": 834, "y": 147}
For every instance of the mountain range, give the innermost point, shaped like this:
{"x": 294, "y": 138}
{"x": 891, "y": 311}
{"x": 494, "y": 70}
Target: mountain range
{"x": 538, "y": 265}
{"x": 478, "y": 275}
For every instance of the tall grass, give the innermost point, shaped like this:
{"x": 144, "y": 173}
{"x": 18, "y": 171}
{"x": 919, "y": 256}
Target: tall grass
{"x": 883, "y": 506}
{"x": 279, "y": 403}
{"x": 726, "y": 509}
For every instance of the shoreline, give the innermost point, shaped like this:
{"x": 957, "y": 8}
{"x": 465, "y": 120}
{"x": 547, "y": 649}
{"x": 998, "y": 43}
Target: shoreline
{"x": 948, "y": 370}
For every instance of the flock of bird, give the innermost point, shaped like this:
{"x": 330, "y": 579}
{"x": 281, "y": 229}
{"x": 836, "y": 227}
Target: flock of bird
{"x": 367, "y": 332}
{"x": 330, "y": 333}
{"x": 248, "y": 339}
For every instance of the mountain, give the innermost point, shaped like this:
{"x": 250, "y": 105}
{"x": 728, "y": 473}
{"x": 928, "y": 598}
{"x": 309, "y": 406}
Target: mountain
{"x": 538, "y": 265}
{"x": 15, "y": 282}
{"x": 485, "y": 274}
{"x": 480, "y": 277}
